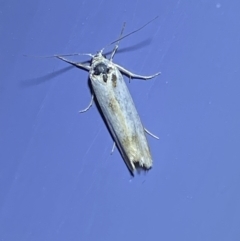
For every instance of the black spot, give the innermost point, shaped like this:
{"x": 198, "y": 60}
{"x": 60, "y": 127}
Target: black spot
{"x": 101, "y": 69}
{"x": 105, "y": 77}
{"x": 114, "y": 80}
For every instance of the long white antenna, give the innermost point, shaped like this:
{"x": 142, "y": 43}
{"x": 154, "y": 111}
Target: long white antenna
{"x": 115, "y": 41}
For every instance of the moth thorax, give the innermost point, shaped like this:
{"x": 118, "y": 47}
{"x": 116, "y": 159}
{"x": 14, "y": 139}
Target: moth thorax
{"x": 100, "y": 68}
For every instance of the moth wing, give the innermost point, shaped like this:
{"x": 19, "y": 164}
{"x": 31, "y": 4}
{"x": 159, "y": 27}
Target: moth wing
{"x": 122, "y": 119}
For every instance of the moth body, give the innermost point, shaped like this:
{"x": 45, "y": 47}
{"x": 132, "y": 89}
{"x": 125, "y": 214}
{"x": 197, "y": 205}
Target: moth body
{"x": 117, "y": 107}
{"x": 120, "y": 113}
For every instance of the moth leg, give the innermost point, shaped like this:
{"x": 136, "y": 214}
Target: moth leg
{"x": 151, "y": 134}
{"x": 88, "y": 107}
{"x": 114, "y": 51}
{"x": 114, "y": 145}
{"x": 79, "y": 65}
{"x": 117, "y": 45}
{"x": 135, "y": 76}
{"x": 113, "y": 148}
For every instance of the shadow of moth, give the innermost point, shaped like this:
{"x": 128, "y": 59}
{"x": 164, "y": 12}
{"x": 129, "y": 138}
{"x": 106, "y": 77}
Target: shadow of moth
{"x": 117, "y": 106}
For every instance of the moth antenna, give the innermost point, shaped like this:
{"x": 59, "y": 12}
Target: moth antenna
{"x": 57, "y": 55}
{"x": 74, "y": 54}
{"x": 119, "y": 39}
{"x": 39, "y": 56}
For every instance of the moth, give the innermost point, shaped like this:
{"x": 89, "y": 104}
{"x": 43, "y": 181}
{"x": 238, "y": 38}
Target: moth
{"x": 117, "y": 106}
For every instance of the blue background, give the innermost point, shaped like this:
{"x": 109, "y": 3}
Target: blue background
{"x": 58, "y": 180}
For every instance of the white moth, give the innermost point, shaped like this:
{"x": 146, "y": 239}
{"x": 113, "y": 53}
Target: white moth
{"x": 117, "y": 106}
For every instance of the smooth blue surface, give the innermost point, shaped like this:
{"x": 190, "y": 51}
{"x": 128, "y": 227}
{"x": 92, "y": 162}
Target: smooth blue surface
{"x": 58, "y": 180}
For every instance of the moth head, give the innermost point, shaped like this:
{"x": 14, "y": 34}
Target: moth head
{"x": 100, "y": 55}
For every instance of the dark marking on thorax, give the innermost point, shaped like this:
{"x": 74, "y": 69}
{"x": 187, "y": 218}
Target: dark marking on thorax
{"x": 105, "y": 77}
{"x": 114, "y": 80}
{"x": 102, "y": 68}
